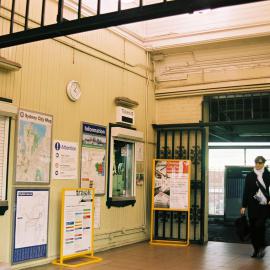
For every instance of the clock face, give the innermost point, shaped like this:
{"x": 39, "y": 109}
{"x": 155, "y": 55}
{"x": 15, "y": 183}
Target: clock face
{"x": 73, "y": 90}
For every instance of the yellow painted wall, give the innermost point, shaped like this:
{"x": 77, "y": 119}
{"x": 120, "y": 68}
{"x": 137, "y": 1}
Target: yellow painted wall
{"x": 179, "y": 110}
{"x": 106, "y": 66}
{"x": 186, "y": 74}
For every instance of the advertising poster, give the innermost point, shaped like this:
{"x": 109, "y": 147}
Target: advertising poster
{"x": 33, "y": 147}
{"x": 78, "y": 220}
{"x": 65, "y": 160}
{"x": 171, "y": 184}
{"x": 139, "y": 148}
{"x": 31, "y": 224}
{"x": 93, "y": 157}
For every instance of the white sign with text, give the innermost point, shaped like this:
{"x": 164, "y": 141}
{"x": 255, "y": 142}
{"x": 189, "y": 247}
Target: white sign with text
{"x": 65, "y": 160}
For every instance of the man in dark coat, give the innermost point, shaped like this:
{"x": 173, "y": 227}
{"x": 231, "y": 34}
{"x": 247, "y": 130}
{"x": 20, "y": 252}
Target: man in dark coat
{"x": 256, "y": 200}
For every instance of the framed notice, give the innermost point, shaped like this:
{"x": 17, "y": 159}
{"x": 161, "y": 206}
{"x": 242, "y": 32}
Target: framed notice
{"x": 93, "y": 157}
{"x": 77, "y": 223}
{"x": 171, "y": 184}
{"x": 33, "y": 156}
{"x": 30, "y": 239}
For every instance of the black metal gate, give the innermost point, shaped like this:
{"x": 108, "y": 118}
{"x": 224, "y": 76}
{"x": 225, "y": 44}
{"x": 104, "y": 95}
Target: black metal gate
{"x": 179, "y": 142}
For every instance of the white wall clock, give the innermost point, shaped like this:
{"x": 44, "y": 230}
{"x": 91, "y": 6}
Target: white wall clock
{"x": 73, "y": 90}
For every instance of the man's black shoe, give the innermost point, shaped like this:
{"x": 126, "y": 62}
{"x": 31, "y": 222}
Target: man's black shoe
{"x": 261, "y": 253}
{"x": 254, "y": 255}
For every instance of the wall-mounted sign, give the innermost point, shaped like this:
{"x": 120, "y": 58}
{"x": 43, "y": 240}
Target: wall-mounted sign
{"x": 33, "y": 147}
{"x": 65, "y": 160}
{"x": 31, "y": 224}
{"x": 125, "y": 115}
{"x": 93, "y": 157}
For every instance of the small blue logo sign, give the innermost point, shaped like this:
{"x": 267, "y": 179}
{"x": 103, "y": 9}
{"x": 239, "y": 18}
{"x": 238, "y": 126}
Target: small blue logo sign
{"x": 57, "y": 146}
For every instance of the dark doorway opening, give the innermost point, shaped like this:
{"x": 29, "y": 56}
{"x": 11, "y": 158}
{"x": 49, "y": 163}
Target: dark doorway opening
{"x": 239, "y": 130}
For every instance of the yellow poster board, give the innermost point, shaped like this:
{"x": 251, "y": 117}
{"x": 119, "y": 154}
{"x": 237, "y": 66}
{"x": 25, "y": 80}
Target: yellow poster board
{"x": 170, "y": 192}
{"x": 77, "y": 227}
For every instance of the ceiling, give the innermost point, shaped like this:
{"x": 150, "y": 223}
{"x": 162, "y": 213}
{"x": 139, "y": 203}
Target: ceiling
{"x": 241, "y": 21}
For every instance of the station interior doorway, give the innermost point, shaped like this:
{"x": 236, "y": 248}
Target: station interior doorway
{"x": 239, "y": 131}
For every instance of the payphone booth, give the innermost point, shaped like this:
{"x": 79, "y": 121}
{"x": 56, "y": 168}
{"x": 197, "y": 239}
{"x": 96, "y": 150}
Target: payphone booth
{"x": 122, "y": 166}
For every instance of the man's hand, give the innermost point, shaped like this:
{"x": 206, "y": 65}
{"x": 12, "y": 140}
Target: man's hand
{"x": 242, "y": 211}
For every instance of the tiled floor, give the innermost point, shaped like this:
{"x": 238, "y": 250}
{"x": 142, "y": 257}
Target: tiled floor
{"x": 213, "y": 256}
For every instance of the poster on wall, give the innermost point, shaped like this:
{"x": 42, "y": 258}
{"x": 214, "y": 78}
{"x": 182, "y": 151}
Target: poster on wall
{"x": 78, "y": 211}
{"x": 93, "y": 157}
{"x": 65, "y": 160}
{"x": 31, "y": 224}
{"x": 33, "y": 147}
{"x": 171, "y": 183}
{"x": 139, "y": 148}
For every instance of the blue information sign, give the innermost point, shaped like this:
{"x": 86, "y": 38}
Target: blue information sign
{"x": 31, "y": 224}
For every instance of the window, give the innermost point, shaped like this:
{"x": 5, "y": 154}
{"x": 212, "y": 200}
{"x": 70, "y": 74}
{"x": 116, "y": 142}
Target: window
{"x": 123, "y": 169}
{"x": 238, "y": 154}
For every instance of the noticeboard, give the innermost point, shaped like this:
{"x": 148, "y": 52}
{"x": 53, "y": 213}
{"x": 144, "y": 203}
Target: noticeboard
{"x": 171, "y": 184}
{"x": 93, "y": 157}
{"x": 31, "y": 224}
{"x": 77, "y": 222}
